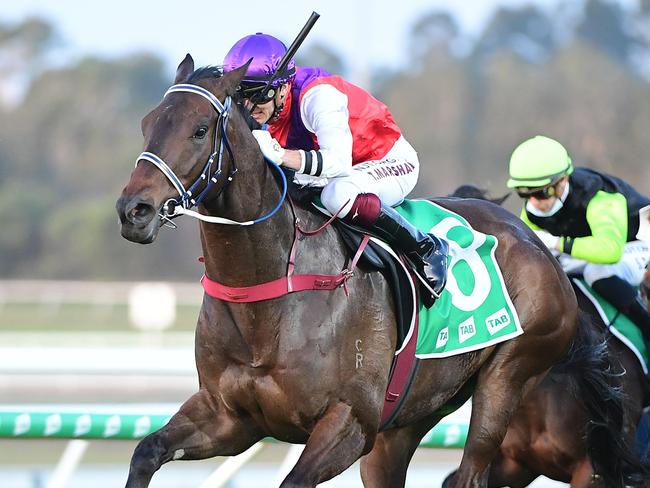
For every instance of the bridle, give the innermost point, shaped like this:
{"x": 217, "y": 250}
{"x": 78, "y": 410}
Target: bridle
{"x": 211, "y": 173}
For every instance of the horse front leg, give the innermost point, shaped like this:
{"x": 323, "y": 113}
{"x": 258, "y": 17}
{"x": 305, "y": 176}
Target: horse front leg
{"x": 202, "y": 428}
{"x": 336, "y": 442}
{"x": 386, "y": 465}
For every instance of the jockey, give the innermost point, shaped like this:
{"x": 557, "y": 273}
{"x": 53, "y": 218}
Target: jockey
{"x": 590, "y": 218}
{"x": 335, "y": 135}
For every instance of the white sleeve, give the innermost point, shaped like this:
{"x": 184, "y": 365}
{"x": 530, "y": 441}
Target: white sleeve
{"x": 324, "y": 111}
{"x": 547, "y": 238}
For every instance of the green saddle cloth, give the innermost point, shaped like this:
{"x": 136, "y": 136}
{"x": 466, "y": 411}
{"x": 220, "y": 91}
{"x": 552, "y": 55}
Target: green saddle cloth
{"x": 474, "y": 310}
{"x": 621, "y": 326}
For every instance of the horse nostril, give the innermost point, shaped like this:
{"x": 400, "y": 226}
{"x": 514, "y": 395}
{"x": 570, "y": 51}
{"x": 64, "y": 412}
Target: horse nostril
{"x": 141, "y": 213}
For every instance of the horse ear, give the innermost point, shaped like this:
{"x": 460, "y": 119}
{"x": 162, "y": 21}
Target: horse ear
{"x": 469, "y": 191}
{"x": 499, "y": 201}
{"x": 185, "y": 69}
{"x": 231, "y": 79}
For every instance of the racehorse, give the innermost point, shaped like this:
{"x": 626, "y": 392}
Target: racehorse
{"x": 559, "y": 430}
{"x": 289, "y": 367}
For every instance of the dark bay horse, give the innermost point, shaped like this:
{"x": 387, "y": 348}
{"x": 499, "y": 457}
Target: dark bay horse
{"x": 289, "y": 367}
{"x": 562, "y": 429}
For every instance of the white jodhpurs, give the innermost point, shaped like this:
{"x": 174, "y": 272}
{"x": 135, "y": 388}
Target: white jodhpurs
{"x": 391, "y": 179}
{"x": 630, "y": 268}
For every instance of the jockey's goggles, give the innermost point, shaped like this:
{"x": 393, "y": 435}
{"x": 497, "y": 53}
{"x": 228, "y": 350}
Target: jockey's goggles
{"x": 543, "y": 193}
{"x": 255, "y": 92}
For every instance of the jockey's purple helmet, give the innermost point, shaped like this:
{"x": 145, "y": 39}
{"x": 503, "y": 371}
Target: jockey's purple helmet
{"x": 266, "y": 51}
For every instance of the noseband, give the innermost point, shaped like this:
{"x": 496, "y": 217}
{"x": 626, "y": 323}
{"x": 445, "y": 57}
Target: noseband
{"x": 186, "y": 200}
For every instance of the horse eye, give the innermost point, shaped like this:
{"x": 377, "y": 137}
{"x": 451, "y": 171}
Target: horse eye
{"x": 200, "y": 132}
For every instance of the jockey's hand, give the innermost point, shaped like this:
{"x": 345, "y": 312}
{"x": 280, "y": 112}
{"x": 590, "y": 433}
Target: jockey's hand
{"x": 549, "y": 240}
{"x": 269, "y": 146}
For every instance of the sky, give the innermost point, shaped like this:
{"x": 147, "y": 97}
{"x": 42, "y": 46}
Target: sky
{"x": 364, "y": 33}
{"x": 360, "y": 31}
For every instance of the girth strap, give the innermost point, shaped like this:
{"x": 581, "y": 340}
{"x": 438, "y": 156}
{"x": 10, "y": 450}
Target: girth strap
{"x": 401, "y": 377}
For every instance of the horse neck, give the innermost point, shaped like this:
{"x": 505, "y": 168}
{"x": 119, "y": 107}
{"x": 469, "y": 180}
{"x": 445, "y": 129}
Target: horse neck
{"x": 245, "y": 255}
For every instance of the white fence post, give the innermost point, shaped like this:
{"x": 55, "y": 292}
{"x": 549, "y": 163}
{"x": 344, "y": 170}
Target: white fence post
{"x": 70, "y": 459}
{"x": 230, "y": 466}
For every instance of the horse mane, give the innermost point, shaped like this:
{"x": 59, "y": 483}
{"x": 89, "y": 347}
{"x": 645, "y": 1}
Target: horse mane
{"x": 206, "y": 72}
{"x": 211, "y": 71}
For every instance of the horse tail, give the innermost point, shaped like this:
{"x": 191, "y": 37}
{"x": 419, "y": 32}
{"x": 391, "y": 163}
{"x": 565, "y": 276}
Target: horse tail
{"x": 597, "y": 385}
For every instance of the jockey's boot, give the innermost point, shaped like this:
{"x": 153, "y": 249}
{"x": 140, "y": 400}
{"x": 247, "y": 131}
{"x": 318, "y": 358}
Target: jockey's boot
{"x": 426, "y": 252}
{"x": 626, "y": 299}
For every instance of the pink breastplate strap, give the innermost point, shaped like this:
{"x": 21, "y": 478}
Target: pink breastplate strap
{"x": 287, "y": 284}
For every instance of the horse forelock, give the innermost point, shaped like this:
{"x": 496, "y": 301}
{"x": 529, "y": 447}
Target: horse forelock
{"x": 205, "y": 72}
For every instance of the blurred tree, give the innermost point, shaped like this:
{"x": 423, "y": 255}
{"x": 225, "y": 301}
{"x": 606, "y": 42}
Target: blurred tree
{"x": 606, "y": 25}
{"x": 78, "y": 124}
{"x": 23, "y": 210}
{"x": 433, "y": 35}
{"x": 640, "y": 27}
{"x": 430, "y": 105}
{"x": 68, "y": 147}
{"x": 318, "y": 54}
{"x": 27, "y": 41}
{"x": 526, "y": 31}
{"x": 66, "y": 151}
{"x": 83, "y": 241}
{"x": 23, "y": 48}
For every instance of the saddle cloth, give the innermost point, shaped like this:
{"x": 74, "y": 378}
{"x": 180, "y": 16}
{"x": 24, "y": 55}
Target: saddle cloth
{"x": 619, "y": 325}
{"x": 474, "y": 310}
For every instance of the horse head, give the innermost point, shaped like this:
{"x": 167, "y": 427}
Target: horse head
{"x": 183, "y": 162}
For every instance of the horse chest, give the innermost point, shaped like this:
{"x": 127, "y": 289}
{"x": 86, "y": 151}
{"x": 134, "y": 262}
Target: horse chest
{"x": 279, "y": 401}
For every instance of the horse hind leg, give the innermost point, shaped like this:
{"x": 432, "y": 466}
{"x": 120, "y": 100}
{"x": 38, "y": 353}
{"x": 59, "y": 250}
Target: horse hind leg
{"x": 504, "y": 472}
{"x": 583, "y": 476}
{"x": 502, "y": 382}
{"x": 201, "y": 429}
{"x": 337, "y": 441}
{"x": 386, "y": 465}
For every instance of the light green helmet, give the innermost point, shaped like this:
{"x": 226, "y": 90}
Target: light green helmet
{"x": 538, "y": 162}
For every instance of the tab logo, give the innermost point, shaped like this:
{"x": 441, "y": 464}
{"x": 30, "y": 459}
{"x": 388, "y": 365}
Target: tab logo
{"x": 443, "y": 337}
{"x": 466, "y": 330}
{"x": 497, "y": 321}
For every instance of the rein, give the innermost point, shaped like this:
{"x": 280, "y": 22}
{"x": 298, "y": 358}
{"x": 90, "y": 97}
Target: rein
{"x": 186, "y": 200}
